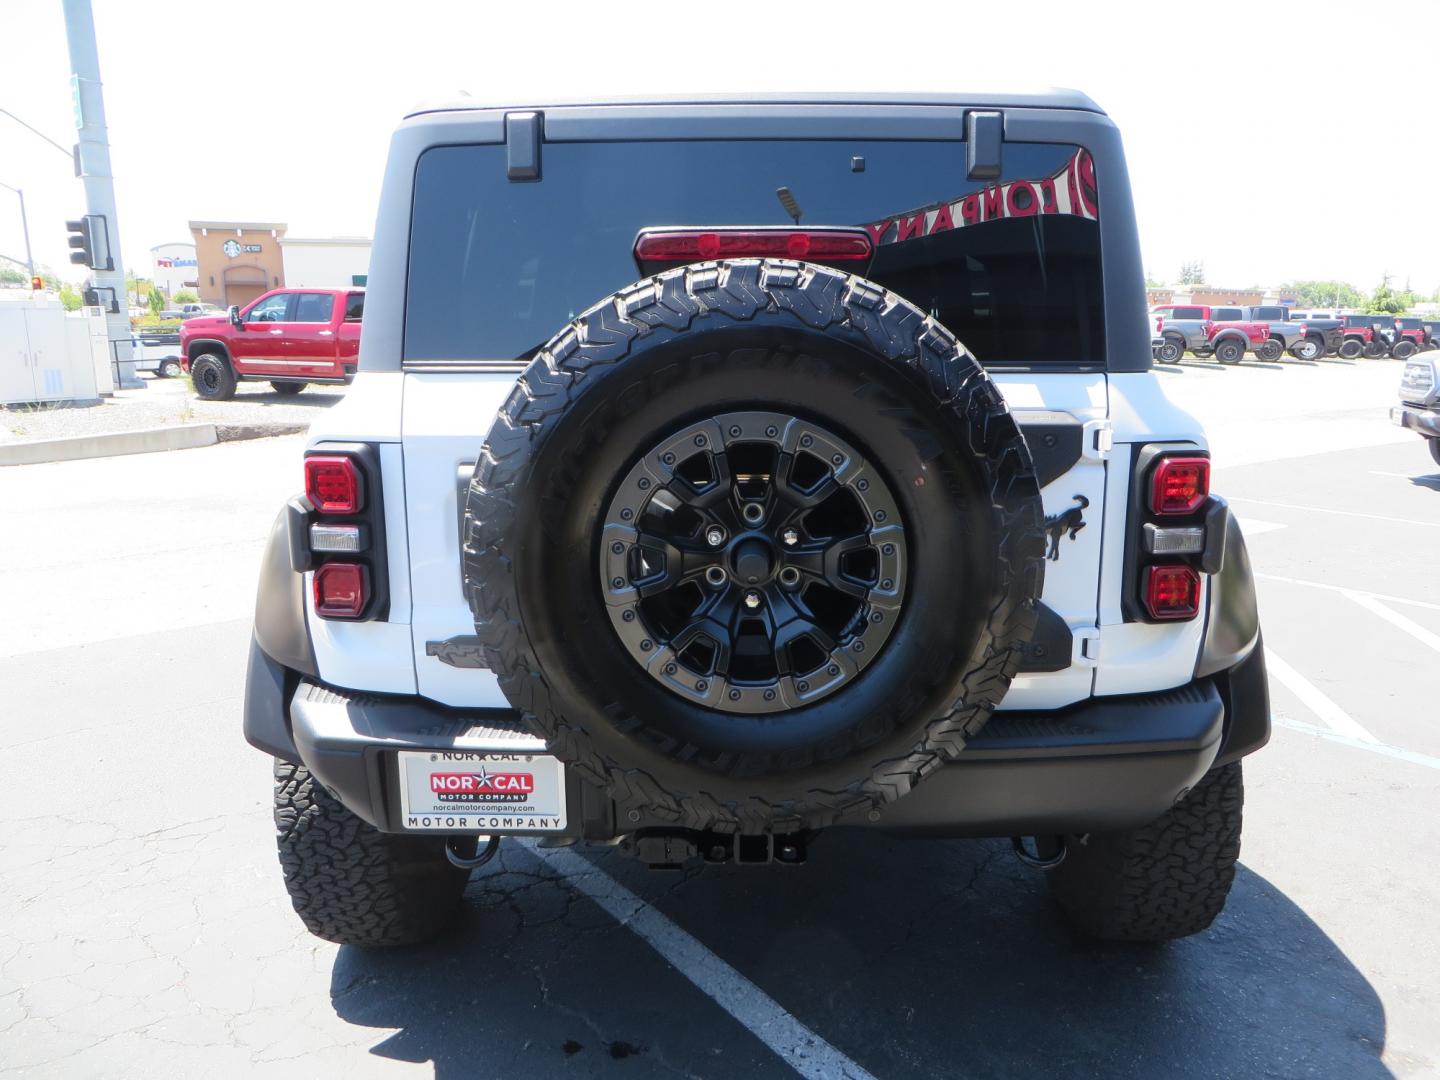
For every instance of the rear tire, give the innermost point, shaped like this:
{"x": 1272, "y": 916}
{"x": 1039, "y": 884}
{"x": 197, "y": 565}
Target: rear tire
{"x": 288, "y": 389}
{"x": 349, "y": 882}
{"x": 1171, "y": 351}
{"x": 1273, "y": 349}
{"x": 1230, "y": 351}
{"x": 168, "y": 369}
{"x": 1350, "y": 348}
{"x": 1166, "y": 880}
{"x": 1309, "y": 348}
{"x": 213, "y": 377}
{"x": 1403, "y": 350}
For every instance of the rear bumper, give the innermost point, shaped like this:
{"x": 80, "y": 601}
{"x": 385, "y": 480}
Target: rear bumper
{"x": 1425, "y": 421}
{"x": 1103, "y": 764}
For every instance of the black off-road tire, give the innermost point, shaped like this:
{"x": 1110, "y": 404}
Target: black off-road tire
{"x": 1229, "y": 351}
{"x": 1166, "y": 880}
{"x": 1350, "y": 348}
{"x": 1403, "y": 350}
{"x": 1375, "y": 350}
{"x": 213, "y": 377}
{"x": 349, "y": 882}
{"x": 1172, "y": 351}
{"x": 1310, "y": 347}
{"x": 695, "y": 342}
{"x": 1434, "y": 445}
{"x": 1272, "y": 349}
{"x": 288, "y": 389}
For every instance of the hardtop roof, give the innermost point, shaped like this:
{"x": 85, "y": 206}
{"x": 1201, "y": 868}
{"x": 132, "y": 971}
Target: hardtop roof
{"x": 1049, "y": 98}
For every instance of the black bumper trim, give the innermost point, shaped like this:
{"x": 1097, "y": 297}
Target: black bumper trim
{"x": 1101, "y": 765}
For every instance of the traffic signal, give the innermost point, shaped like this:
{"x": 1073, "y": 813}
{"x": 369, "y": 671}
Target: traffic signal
{"x": 37, "y": 284}
{"x": 91, "y": 241}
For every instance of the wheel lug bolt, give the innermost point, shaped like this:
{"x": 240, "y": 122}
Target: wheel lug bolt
{"x": 791, "y": 537}
{"x": 752, "y": 599}
{"x": 715, "y": 536}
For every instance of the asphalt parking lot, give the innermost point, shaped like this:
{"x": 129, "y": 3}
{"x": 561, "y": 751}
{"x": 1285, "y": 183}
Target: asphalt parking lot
{"x": 144, "y": 930}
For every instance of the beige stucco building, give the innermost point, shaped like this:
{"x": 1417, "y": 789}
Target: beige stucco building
{"x": 237, "y": 260}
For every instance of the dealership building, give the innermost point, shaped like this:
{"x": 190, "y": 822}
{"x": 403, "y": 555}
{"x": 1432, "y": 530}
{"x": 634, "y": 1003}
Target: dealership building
{"x": 237, "y": 260}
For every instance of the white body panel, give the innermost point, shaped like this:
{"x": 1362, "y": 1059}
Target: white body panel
{"x": 431, "y": 424}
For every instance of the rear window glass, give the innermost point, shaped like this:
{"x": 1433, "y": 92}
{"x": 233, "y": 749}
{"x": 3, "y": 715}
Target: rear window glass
{"x": 1011, "y": 266}
{"x": 314, "y": 307}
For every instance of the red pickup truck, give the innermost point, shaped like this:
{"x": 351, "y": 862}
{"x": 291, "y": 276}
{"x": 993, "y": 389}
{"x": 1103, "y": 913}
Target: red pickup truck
{"x": 287, "y": 337}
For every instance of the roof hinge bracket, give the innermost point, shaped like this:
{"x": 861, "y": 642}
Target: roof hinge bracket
{"x": 524, "y": 132}
{"x": 984, "y": 132}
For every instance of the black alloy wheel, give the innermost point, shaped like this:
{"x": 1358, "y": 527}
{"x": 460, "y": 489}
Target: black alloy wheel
{"x": 764, "y": 568}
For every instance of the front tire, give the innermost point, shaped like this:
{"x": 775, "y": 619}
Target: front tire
{"x": 1403, "y": 350}
{"x": 1350, "y": 348}
{"x": 1171, "y": 351}
{"x": 349, "y": 882}
{"x": 213, "y": 377}
{"x": 1230, "y": 351}
{"x": 1375, "y": 350}
{"x": 1165, "y": 880}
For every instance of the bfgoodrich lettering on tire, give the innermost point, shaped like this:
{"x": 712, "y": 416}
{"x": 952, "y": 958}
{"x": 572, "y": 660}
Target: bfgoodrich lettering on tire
{"x": 834, "y": 498}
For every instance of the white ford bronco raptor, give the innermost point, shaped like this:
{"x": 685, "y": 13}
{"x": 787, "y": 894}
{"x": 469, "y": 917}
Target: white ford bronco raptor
{"x": 719, "y": 472}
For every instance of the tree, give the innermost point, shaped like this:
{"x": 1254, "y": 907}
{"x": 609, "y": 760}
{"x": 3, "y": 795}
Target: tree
{"x": 1152, "y": 282}
{"x": 156, "y": 301}
{"x": 69, "y": 297}
{"x": 186, "y": 296}
{"x": 9, "y": 276}
{"x": 1386, "y": 301}
{"x": 1325, "y": 294}
{"x": 1193, "y": 272}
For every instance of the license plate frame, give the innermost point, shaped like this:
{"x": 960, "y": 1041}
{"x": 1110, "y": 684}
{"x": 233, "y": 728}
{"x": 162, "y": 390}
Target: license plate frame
{"x": 481, "y": 791}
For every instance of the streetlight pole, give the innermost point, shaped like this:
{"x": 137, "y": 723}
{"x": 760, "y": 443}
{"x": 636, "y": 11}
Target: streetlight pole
{"x": 24, "y": 227}
{"x": 94, "y": 161}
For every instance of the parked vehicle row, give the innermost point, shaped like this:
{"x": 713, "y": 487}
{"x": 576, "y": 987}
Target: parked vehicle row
{"x": 1271, "y": 331}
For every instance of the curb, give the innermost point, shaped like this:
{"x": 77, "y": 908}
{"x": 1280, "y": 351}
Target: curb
{"x": 147, "y": 441}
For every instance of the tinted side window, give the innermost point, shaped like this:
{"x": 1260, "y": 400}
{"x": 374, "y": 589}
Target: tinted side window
{"x": 1227, "y": 313}
{"x": 314, "y": 307}
{"x": 354, "y": 306}
{"x": 1188, "y": 313}
{"x": 1012, "y": 267}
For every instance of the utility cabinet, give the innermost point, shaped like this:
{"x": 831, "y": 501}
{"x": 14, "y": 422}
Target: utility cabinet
{"x": 46, "y": 354}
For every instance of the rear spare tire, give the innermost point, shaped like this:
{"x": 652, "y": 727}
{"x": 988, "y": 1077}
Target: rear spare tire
{"x": 754, "y": 545}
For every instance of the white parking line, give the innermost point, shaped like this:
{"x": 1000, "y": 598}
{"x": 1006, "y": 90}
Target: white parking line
{"x": 1348, "y": 592}
{"x": 799, "y": 1047}
{"x": 1394, "y": 618}
{"x": 1334, "y": 717}
{"x": 1328, "y": 510}
{"x": 1413, "y": 757}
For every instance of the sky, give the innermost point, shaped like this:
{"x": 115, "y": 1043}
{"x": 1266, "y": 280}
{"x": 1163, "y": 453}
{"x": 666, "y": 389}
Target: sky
{"x": 1256, "y": 143}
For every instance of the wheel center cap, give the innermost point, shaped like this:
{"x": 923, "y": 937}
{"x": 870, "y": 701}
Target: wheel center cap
{"x": 753, "y": 561}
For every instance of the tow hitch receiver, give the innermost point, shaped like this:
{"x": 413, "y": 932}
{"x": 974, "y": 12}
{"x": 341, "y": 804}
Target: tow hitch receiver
{"x": 666, "y": 849}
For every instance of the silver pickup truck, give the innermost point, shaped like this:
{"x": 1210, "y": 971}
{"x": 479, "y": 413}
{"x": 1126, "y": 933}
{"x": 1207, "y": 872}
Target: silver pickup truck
{"x": 1419, "y": 408}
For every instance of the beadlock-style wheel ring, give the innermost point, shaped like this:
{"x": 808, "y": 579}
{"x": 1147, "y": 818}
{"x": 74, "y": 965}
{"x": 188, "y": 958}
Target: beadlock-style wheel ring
{"x": 753, "y": 563}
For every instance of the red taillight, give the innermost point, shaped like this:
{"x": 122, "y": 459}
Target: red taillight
{"x": 1172, "y": 592}
{"x": 1179, "y": 485}
{"x": 340, "y": 590}
{"x": 693, "y": 245}
{"x": 332, "y": 484}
